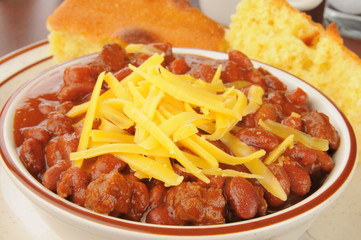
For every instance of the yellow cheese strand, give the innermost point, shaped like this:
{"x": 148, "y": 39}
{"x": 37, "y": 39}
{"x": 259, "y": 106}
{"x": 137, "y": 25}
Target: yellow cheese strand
{"x": 169, "y": 126}
{"x": 230, "y": 173}
{"x": 185, "y": 131}
{"x": 251, "y": 107}
{"x": 149, "y": 108}
{"x": 224, "y": 157}
{"x": 197, "y": 149}
{"x": 269, "y": 181}
{"x": 217, "y": 76}
{"x": 154, "y": 60}
{"x": 165, "y": 161}
{"x": 151, "y": 168}
{"x": 187, "y": 93}
{"x": 82, "y": 108}
{"x": 223, "y": 172}
{"x": 138, "y": 98}
{"x": 118, "y": 89}
{"x": 106, "y": 125}
{"x": 223, "y": 125}
{"x": 110, "y": 137}
{"x": 117, "y": 148}
{"x": 255, "y": 94}
{"x": 284, "y": 131}
{"x": 89, "y": 119}
{"x": 116, "y": 117}
{"x": 279, "y": 150}
{"x": 138, "y": 117}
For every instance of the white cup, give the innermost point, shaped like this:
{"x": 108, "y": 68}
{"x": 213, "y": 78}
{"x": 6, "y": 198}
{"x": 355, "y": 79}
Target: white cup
{"x": 347, "y": 6}
{"x": 305, "y": 5}
{"x": 221, "y": 10}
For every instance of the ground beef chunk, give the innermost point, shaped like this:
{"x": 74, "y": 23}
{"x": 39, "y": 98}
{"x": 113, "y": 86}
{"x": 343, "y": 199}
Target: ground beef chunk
{"x": 109, "y": 194}
{"x": 117, "y": 195}
{"x": 194, "y": 204}
{"x": 72, "y": 184}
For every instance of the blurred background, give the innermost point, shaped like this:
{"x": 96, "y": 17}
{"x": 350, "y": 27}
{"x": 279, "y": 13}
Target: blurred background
{"x": 22, "y": 22}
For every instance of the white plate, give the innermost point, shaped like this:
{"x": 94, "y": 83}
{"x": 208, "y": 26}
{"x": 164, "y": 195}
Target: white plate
{"x": 19, "y": 219}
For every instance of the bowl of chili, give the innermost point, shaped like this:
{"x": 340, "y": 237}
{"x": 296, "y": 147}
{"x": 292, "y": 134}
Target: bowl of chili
{"x": 262, "y": 163}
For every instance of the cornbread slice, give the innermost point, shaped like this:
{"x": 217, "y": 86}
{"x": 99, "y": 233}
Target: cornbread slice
{"x": 79, "y": 27}
{"x": 273, "y": 32}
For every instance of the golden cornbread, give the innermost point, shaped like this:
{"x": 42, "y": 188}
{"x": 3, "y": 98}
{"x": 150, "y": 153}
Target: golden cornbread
{"x": 79, "y": 27}
{"x": 273, "y": 32}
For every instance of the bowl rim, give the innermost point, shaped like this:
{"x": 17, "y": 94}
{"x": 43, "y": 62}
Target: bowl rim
{"x": 229, "y": 228}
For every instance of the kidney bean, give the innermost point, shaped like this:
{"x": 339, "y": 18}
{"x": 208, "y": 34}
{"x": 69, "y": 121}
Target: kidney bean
{"x": 280, "y": 173}
{"x": 73, "y": 183}
{"x": 38, "y": 133}
{"x": 254, "y": 76}
{"x": 325, "y": 161}
{"x": 297, "y": 97}
{"x": 242, "y": 197}
{"x": 231, "y": 72}
{"x": 109, "y": 194}
{"x": 162, "y": 215}
{"x": 249, "y": 121}
{"x": 112, "y": 58}
{"x": 59, "y": 123}
{"x": 52, "y": 153}
{"x": 46, "y": 108}
{"x": 79, "y": 80}
{"x": 67, "y": 144}
{"x": 179, "y": 66}
{"x": 32, "y": 156}
{"x": 240, "y": 59}
{"x": 276, "y": 97}
{"x": 293, "y": 122}
{"x": 262, "y": 203}
{"x": 79, "y": 73}
{"x": 258, "y": 137}
{"x": 268, "y": 111}
{"x": 140, "y": 59}
{"x": 122, "y": 73}
{"x": 52, "y": 174}
{"x": 75, "y": 91}
{"x": 165, "y": 47}
{"x": 204, "y": 72}
{"x": 105, "y": 164}
{"x": 272, "y": 81}
{"x": 300, "y": 180}
{"x": 65, "y": 107}
{"x": 317, "y": 125}
{"x": 157, "y": 195}
{"x": 303, "y": 155}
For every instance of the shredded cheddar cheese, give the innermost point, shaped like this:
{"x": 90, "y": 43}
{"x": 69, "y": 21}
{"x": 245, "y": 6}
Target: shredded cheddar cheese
{"x": 284, "y": 131}
{"x": 171, "y": 115}
{"x": 286, "y": 143}
{"x": 89, "y": 118}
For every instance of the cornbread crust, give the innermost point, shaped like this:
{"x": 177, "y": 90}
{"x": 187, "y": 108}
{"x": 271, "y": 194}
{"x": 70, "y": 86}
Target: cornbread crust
{"x": 79, "y": 27}
{"x": 273, "y": 32}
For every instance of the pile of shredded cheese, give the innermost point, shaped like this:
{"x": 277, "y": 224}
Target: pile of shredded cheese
{"x": 171, "y": 113}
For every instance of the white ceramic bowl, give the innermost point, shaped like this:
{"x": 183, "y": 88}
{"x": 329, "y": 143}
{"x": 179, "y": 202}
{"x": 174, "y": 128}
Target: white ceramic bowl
{"x": 73, "y": 222}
